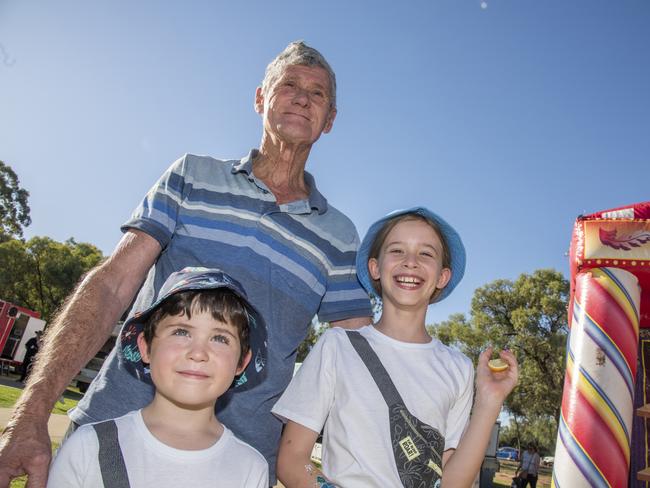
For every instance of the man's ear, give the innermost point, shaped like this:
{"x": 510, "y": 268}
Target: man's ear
{"x": 143, "y": 348}
{"x": 330, "y": 120}
{"x": 244, "y": 362}
{"x": 373, "y": 268}
{"x": 259, "y": 100}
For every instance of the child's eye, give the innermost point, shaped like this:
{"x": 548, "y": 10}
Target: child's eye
{"x": 395, "y": 251}
{"x": 224, "y": 339}
{"x": 181, "y": 332}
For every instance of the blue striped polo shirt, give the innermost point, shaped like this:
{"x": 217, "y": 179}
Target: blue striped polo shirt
{"x": 294, "y": 260}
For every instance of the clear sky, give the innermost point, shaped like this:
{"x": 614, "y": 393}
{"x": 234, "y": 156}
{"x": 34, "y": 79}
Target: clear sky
{"x": 507, "y": 117}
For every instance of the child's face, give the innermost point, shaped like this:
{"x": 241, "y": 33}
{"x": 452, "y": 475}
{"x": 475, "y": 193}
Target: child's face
{"x": 409, "y": 266}
{"x": 193, "y": 361}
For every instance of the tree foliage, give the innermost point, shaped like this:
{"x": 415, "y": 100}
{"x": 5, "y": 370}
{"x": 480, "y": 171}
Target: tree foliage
{"x": 40, "y": 273}
{"x": 537, "y": 430}
{"x": 316, "y": 330}
{"x": 528, "y": 316}
{"x": 14, "y": 210}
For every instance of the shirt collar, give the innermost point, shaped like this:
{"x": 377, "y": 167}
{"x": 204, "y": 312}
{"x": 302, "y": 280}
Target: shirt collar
{"x": 316, "y": 200}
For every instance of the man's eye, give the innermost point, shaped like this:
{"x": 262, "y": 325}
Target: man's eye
{"x": 224, "y": 339}
{"x": 395, "y": 251}
{"x": 289, "y": 83}
{"x": 318, "y": 94}
{"x": 181, "y": 332}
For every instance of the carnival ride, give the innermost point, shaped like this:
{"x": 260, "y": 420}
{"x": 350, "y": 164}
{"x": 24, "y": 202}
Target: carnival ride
{"x": 601, "y": 442}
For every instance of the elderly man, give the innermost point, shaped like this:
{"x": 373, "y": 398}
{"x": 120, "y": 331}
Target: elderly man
{"x": 261, "y": 219}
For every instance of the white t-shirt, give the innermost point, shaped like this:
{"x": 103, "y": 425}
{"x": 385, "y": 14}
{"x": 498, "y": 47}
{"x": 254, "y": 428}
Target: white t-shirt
{"x": 228, "y": 463}
{"x": 334, "y": 388}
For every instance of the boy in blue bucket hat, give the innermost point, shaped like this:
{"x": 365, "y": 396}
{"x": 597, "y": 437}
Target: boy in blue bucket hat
{"x": 394, "y": 402}
{"x": 191, "y": 344}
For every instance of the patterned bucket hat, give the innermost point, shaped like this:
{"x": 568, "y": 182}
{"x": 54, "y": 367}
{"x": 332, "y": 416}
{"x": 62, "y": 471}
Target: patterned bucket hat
{"x": 197, "y": 279}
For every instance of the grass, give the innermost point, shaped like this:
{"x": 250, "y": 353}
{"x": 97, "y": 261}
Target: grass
{"x": 503, "y": 477}
{"x": 9, "y": 395}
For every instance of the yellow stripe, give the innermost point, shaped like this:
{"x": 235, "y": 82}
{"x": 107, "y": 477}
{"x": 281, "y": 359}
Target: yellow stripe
{"x": 617, "y": 294}
{"x": 605, "y": 411}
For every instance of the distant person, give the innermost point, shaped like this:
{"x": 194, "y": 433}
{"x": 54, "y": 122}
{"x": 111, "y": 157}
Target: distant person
{"x": 194, "y": 340}
{"x": 31, "y": 349}
{"x": 529, "y": 466}
{"x": 393, "y": 401}
{"x": 262, "y": 220}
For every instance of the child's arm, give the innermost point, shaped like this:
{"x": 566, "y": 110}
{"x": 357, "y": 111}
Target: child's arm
{"x": 294, "y": 468}
{"x": 460, "y": 466}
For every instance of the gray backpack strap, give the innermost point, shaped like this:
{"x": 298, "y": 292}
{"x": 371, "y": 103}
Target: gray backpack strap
{"x": 111, "y": 461}
{"x": 377, "y": 370}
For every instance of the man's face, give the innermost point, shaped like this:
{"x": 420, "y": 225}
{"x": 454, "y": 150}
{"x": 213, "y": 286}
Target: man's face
{"x": 193, "y": 361}
{"x": 297, "y": 108}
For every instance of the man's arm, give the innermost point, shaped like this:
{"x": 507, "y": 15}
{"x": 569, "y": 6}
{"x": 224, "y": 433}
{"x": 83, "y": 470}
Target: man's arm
{"x": 354, "y": 323}
{"x": 75, "y": 335}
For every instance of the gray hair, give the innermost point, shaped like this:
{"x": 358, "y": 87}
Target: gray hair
{"x": 298, "y": 53}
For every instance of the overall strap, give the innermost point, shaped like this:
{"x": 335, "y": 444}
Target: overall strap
{"x": 111, "y": 461}
{"x": 377, "y": 370}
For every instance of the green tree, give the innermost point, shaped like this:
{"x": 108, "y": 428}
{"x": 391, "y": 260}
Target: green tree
{"x": 528, "y": 316}
{"x": 14, "y": 210}
{"x": 316, "y": 330}
{"x": 40, "y": 273}
{"x": 535, "y": 429}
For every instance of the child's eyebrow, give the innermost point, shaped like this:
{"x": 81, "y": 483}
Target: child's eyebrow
{"x": 223, "y": 331}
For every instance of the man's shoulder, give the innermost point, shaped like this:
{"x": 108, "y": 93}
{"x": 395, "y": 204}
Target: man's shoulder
{"x": 191, "y": 163}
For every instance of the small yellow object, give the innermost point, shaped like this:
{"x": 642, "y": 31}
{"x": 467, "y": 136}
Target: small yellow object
{"x": 497, "y": 365}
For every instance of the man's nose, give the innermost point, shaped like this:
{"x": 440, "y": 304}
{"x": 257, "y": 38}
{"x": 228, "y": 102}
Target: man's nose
{"x": 301, "y": 97}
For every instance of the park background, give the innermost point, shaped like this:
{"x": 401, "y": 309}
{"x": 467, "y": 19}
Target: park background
{"x": 508, "y": 117}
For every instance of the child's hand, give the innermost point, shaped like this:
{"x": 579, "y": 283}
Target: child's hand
{"x": 493, "y": 387}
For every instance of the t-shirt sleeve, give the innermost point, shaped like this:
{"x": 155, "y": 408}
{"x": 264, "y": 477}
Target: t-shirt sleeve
{"x": 310, "y": 395}
{"x": 158, "y": 212}
{"x": 259, "y": 477}
{"x": 458, "y": 415}
{"x": 74, "y": 461}
{"x": 344, "y": 296}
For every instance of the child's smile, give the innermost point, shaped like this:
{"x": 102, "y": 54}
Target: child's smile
{"x": 409, "y": 266}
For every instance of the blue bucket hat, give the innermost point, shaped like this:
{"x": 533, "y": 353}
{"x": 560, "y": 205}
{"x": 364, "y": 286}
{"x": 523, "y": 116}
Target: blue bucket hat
{"x": 450, "y": 236}
{"x": 197, "y": 279}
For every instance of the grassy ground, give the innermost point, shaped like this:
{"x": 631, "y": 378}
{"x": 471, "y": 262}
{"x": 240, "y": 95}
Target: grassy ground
{"x": 503, "y": 478}
{"x": 9, "y": 395}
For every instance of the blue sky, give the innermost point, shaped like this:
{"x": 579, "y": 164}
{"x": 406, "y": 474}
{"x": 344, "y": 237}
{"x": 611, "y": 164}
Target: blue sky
{"x": 509, "y": 118}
